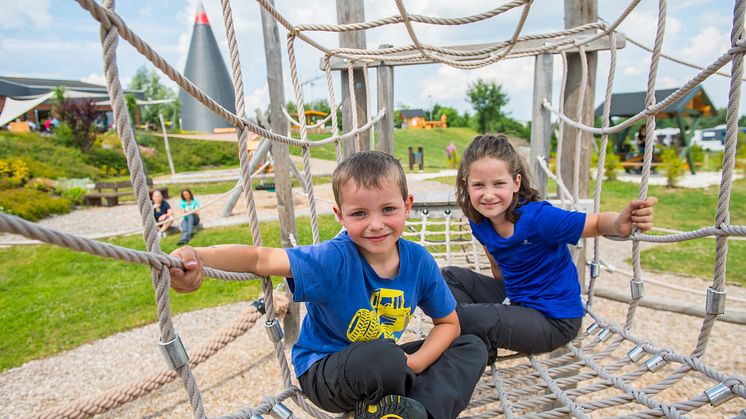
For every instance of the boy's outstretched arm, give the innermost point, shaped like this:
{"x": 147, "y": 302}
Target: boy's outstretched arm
{"x": 232, "y": 258}
{"x": 638, "y": 213}
{"x": 442, "y": 335}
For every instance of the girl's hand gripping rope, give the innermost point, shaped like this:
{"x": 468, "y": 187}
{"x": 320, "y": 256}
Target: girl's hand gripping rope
{"x": 188, "y": 279}
{"x": 638, "y": 213}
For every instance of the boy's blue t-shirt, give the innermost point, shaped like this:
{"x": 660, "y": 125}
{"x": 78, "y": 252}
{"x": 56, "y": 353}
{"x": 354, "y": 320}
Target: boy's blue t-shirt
{"x": 535, "y": 261}
{"x": 348, "y": 302}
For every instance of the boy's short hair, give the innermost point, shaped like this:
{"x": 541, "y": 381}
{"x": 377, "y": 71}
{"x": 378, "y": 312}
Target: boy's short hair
{"x": 369, "y": 169}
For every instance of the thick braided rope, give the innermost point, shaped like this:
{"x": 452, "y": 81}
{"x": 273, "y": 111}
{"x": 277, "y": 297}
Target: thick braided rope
{"x": 359, "y": 26}
{"x": 674, "y": 59}
{"x": 333, "y": 105}
{"x": 243, "y": 150}
{"x": 122, "y": 394}
{"x": 517, "y": 31}
{"x": 372, "y": 132}
{"x": 384, "y": 53}
{"x": 160, "y": 277}
{"x": 16, "y": 225}
{"x": 319, "y": 123}
{"x": 357, "y": 146}
{"x": 672, "y": 98}
{"x": 579, "y": 116}
{"x": 307, "y": 177}
{"x": 602, "y": 158}
{"x": 561, "y": 395}
{"x": 561, "y": 129}
{"x": 649, "y": 142}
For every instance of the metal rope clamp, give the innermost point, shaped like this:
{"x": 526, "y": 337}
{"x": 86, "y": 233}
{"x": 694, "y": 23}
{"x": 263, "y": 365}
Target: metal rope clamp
{"x": 637, "y": 289}
{"x": 604, "y": 334}
{"x": 280, "y": 411}
{"x": 655, "y": 363}
{"x": 635, "y": 354}
{"x": 174, "y": 353}
{"x": 595, "y": 269}
{"x": 592, "y": 328}
{"x": 719, "y": 394}
{"x": 715, "y": 301}
{"x": 274, "y": 330}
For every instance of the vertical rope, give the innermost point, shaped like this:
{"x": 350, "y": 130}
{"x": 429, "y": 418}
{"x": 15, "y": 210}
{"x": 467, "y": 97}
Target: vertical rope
{"x": 602, "y": 159}
{"x": 372, "y": 133}
{"x": 579, "y": 117}
{"x": 333, "y": 105}
{"x": 649, "y": 143}
{"x": 561, "y": 129}
{"x": 353, "y": 104}
{"x": 160, "y": 277}
{"x": 308, "y": 178}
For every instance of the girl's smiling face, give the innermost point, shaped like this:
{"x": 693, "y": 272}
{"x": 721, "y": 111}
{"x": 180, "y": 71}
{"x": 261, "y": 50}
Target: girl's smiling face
{"x": 491, "y": 188}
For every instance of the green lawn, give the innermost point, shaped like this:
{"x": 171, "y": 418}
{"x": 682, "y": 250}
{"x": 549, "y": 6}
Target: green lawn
{"x": 54, "y": 299}
{"x": 433, "y": 141}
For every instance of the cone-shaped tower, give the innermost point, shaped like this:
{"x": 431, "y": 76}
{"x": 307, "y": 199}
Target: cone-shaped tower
{"x": 206, "y": 69}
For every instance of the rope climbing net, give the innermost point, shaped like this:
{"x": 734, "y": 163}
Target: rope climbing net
{"x": 526, "y": 388}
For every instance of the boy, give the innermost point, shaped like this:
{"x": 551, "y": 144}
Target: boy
{"x": 361, "y": 289}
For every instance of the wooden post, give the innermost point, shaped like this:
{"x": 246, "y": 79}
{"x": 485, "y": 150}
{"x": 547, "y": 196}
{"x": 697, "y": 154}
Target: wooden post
{"x": 281, "y": 154}
{"x": 541, "y": 128}
{"x": 353, "y": 11}
{"x": 165, "y": 142}
{"x": 578, "y": 12}
{"x": 385, "y": 87}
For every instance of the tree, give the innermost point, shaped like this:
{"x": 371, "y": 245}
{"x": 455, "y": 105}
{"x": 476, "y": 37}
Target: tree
{"x": 79, "y": 115}
{"x": 452, "y": 116}
{"x": 153, "y": 89}
{"x": 487, "y": 98}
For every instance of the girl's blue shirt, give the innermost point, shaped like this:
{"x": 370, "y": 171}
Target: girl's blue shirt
{"x": 535, "y": 261}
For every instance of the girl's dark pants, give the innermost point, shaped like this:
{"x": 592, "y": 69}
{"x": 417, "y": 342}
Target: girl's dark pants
{"x": 368, "y": 371}
{"x": 521, "y": 329}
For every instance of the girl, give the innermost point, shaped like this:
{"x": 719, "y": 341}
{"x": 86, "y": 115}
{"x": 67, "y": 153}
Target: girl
{"x": 188, "y": 203}
{"x": 525, "y": 240}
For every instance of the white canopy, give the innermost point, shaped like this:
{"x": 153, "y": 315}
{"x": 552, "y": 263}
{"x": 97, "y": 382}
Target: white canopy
{"x": 15, "y": 107}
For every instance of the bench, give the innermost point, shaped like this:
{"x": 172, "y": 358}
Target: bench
{"x": 108, "y": 193}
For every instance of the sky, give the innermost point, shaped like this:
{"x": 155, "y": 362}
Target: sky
{"x": 59, "y": 39}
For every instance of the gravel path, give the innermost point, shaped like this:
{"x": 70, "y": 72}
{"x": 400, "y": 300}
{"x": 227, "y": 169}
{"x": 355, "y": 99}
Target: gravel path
{"x": 245, "y": 371}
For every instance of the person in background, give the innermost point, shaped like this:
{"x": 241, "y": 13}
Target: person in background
{"x": 452, "y": 155}
{"x": 190, "y": 206}
{"x": 162, "y": 212}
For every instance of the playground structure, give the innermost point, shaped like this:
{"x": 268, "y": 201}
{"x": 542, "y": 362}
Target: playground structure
{"x": 507, "y": 391}
{"x": 692, "y": 106}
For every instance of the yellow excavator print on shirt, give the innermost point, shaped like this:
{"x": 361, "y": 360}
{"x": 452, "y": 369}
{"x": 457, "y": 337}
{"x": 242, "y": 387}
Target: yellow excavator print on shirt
{"x": 388, "y": 318}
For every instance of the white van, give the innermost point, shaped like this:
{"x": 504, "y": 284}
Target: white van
{"x": 710, "y": 139}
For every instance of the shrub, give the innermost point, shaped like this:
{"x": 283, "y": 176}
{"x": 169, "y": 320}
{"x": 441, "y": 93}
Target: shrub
{"x": 673, "y": 166}
{"x": 611, "y": 165}
{"x": 73, "y": 189}
{"x": 15, "y": 172}
{"x": 31, "y": 204}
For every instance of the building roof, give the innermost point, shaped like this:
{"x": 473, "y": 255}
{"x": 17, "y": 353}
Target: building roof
{"x": 27, "y": 86}
{"x": 630, "y": 104}
{"x": 411, "y": 113}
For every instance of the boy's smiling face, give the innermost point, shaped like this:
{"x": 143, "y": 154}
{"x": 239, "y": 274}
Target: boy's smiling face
{"x": 374, "y": 217}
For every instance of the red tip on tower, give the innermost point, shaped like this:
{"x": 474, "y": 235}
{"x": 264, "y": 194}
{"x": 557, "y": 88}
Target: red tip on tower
{"x": 201, "y": 17}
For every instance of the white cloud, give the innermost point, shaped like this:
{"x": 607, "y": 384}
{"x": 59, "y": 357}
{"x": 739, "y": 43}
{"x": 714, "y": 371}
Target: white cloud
{"x": 12, "y": 44}
{"x": 709, "y": 43}
{"x": 667, "y": 82}
{"x": 259, "y": 98}
{"x": 16, "y": 14}
{"x": 94, "y": 78}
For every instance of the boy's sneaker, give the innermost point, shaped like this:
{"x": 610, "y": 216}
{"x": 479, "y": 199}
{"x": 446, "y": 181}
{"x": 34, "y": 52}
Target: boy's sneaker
{"x": 391, "y": 407}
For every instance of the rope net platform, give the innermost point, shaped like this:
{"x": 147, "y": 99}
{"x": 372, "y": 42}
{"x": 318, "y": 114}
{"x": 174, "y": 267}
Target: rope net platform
{"x": 606, "y": 366}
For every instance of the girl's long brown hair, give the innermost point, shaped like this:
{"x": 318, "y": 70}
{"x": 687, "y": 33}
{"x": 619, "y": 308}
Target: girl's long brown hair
{"x": 497, "y": 147}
